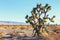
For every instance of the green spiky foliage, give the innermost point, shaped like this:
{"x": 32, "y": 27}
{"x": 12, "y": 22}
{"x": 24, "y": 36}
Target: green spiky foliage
{"x": 39, "y": 16}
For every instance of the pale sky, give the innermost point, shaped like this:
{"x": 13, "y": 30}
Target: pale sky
{"x": 16, "y": 10}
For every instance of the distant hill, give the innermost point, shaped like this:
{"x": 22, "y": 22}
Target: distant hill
{"x": 12, "y": 23}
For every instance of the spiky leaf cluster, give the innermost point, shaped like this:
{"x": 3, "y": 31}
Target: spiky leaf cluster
{"x": 36, "y": 15}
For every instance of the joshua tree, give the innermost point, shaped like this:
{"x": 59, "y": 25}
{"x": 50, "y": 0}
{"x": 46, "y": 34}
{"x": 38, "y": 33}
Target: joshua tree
{"x": 39, "y": 17}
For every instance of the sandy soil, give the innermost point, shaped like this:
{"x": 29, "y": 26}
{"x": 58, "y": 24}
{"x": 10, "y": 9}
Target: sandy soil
{"x": 28, "y": 31}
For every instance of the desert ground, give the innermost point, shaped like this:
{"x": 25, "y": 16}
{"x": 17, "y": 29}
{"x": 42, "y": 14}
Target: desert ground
{"x": 27, "y": 30}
